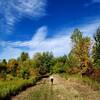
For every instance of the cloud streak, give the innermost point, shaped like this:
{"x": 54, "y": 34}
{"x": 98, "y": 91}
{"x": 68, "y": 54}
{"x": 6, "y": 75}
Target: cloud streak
{"x": 90, "y": 28}
{"x": 38, "y": 43}
{"x": 59, "y": 44}
{"x": 13, "y": 10}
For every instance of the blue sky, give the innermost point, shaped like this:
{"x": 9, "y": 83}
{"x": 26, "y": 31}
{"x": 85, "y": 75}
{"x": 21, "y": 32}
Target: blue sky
{"x": 44, "y": 25}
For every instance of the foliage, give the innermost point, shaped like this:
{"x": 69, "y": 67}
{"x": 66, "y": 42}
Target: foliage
{"x": 24, "y": 73}
{"x": 81, "y": 48}
{"x": 96, "y": 48}
{"x": 12, "y": 87}
{"x": 3, "y": 69}
{"x": 43, "y": 62}
{"x": 59, "y": 64}
{"x": 12, "y": 66}
{"x": 72, "y": 63}
{"x": 77, "y": 61}
{"x": 23, "y": 57}
{"x": 81, "y": 45}
{"x": 24, "y": 68}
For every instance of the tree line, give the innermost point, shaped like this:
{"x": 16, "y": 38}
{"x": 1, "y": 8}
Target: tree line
{"x": 84, "y": 58}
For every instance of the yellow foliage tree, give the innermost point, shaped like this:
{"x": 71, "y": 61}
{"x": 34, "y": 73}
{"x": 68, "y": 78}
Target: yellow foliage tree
{"x": 81, "y": 48}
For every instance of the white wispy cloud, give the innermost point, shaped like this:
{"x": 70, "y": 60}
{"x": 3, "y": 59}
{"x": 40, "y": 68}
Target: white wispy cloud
{"x": 10, "y": 52}
{"x": 13, "y": 10}
{"x": 90, "y": 27}
{"x": 60, "y": 44}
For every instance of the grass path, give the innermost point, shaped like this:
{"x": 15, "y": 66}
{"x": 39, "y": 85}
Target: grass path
{"x": 61, "y": 90}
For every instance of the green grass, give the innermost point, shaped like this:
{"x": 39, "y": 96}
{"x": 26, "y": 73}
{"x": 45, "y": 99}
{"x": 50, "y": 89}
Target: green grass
{"x": 12, "y": 87}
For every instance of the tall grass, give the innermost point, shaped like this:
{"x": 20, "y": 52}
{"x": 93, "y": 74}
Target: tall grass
{"x": 84, "y": 80}
{"x": 92, "y": 83}
{"x": 12, "y": 87}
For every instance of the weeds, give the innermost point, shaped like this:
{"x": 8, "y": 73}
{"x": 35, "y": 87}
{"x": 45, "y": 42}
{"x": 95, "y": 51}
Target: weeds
{"x": 84, "y": 80}
{"x": 12, "y": 87}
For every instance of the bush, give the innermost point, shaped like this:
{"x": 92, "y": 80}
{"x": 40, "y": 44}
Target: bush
{"x": 24, "y": 73}
{"x": 96, "y": 75}
{"x": 58, "y": 68}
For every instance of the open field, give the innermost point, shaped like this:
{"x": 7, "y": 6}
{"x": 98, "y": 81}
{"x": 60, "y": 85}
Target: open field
{"x": 62, "y": 89}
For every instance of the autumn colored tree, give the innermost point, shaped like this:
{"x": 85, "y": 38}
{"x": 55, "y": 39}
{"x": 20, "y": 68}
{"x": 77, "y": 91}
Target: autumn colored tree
{"x": 81, "y": 48}
{"x": 12, "y": 66}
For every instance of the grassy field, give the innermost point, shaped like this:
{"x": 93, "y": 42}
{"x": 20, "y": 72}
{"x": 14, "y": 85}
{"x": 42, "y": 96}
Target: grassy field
{"x": 42, "y": 91}
{"x": 84, "y": 80}
{"x": 12, "y": 87}
{"x": 71, "y": 88}
{"x": 65, "y": 87}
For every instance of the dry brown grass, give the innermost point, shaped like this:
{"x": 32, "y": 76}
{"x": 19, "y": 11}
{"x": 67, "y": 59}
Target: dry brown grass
{"x": 62, "y": 89}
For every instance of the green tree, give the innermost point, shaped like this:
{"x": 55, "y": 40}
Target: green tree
{"x": 3, "y": 69}
{"x": 96, "y": 48}
{"x": 25, "y": 68}
{"x": 43, "y": 61}
{"x": 76, "y": 36}
{"x": 4, "y": 62}
{"x": 71, "y": 61}
{"x": 23, "y": 57}
{"x": 59, "y": 64}
{"x": 24, "y": 72}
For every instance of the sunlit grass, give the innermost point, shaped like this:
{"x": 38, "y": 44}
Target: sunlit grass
{"x": 12, "y": 87}
{"x": 83, "y": 80}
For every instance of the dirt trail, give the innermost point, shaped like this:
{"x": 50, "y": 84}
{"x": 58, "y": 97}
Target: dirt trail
{"x": 61, "y": 90}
